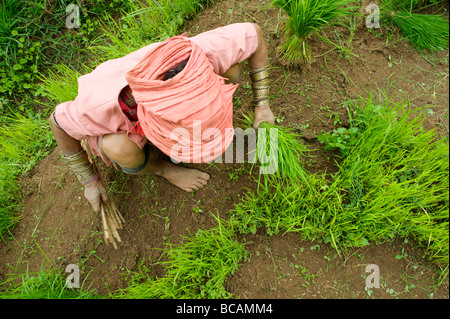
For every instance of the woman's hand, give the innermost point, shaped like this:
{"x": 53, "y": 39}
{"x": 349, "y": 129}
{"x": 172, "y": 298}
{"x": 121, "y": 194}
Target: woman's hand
{"x": 95, "y": 193}
{"x": 263, "y": 114}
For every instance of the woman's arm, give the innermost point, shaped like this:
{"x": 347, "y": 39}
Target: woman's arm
{"x": 76, "y": 157}
{"x": 259, "y": 75}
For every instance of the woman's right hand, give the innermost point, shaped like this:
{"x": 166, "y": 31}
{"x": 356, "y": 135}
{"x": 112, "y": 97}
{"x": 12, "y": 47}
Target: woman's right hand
{"x": 95, "y": 193}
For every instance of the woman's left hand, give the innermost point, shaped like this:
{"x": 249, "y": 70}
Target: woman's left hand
{"x": 263, "y": 114}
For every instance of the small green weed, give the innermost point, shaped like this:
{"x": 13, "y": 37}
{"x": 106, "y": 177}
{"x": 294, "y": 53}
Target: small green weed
{"x": 341, "y": 138}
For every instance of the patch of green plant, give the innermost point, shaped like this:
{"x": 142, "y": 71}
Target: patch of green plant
{"x": 393, "y": 183}
{"x": 288, "y": 207}
{"x": 424, "y": 31}
{"x": 34, "y": 37}
{"x": 23, "y": 141}
{"x": 304, "y": 18}
{"x": 341, "y": 138}
{"x": 396, "y": 175}
{"x": 61, "y": 84}
{"x": 45, "y": 284}
{"x": 197, "y": 268}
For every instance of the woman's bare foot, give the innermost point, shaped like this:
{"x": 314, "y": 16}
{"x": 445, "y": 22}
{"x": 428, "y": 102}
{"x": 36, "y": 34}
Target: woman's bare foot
{"x": 185, "y": 178}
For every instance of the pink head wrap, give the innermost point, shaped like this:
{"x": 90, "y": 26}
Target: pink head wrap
{"x": 190, "y": 116}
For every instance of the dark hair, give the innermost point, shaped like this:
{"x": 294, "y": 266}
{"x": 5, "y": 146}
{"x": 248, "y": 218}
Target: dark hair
{"x": 175, "y": 70}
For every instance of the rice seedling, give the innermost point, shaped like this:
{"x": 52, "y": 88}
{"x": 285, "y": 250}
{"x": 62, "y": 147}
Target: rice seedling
{"x": 280, "y": 152}
{"x": 397, "y": 177}
{"x": 288, "y": 207}
{"x": 304, "y": 18}
{"x": 423, "y": 31}
{"x": 198, "y": 268}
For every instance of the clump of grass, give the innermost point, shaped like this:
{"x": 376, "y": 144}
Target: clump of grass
{"x": 423, "y": 31}
{"x": 304, "y": 18}
{"x": 407, "y": 5}
{"x": 198, "y": 268}
{"x": 289, "y": 207}
{"x": 397, "y": 177}
{"x": 45, "y": 284}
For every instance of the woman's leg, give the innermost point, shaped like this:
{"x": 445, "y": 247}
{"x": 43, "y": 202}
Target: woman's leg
{"x": 121, "y": 150}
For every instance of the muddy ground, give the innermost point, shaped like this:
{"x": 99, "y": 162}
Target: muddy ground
{"x": 58, "y": 224}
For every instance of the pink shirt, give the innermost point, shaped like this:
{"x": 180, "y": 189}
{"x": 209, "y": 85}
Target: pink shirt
{"x": 96, "y": 111}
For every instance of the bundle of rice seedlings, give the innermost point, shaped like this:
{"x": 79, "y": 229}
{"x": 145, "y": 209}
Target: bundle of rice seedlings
{"x": 280, "y": 153}
{"x": 424, "y": 32}
{"x": 306, "y": 17}
{"x": 396, "y": 178}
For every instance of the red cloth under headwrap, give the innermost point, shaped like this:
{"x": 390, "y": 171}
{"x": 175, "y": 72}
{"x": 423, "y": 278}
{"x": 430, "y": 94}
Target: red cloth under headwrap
{"x": 190, "y": 116}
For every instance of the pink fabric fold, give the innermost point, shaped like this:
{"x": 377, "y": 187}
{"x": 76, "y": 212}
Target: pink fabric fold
{"x": 190, "y": 116}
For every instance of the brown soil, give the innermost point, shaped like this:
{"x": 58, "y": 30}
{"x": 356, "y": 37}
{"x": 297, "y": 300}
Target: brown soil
{"x": 58, "y": 225}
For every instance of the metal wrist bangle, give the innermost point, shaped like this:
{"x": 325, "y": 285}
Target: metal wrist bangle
{"x": 260, "y": 86}
{"x": 83, "y": 169}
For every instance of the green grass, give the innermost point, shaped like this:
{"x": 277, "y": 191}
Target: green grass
{"x": 23, "y": 141}
{"x": 34, "y": 37}
{"x": 392, "y": 183}
{"x": 304, "y": 18}
{"x": 61, "y": 84}
{"x": 396, "y": 178}
{"x": 45, "y": 284}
